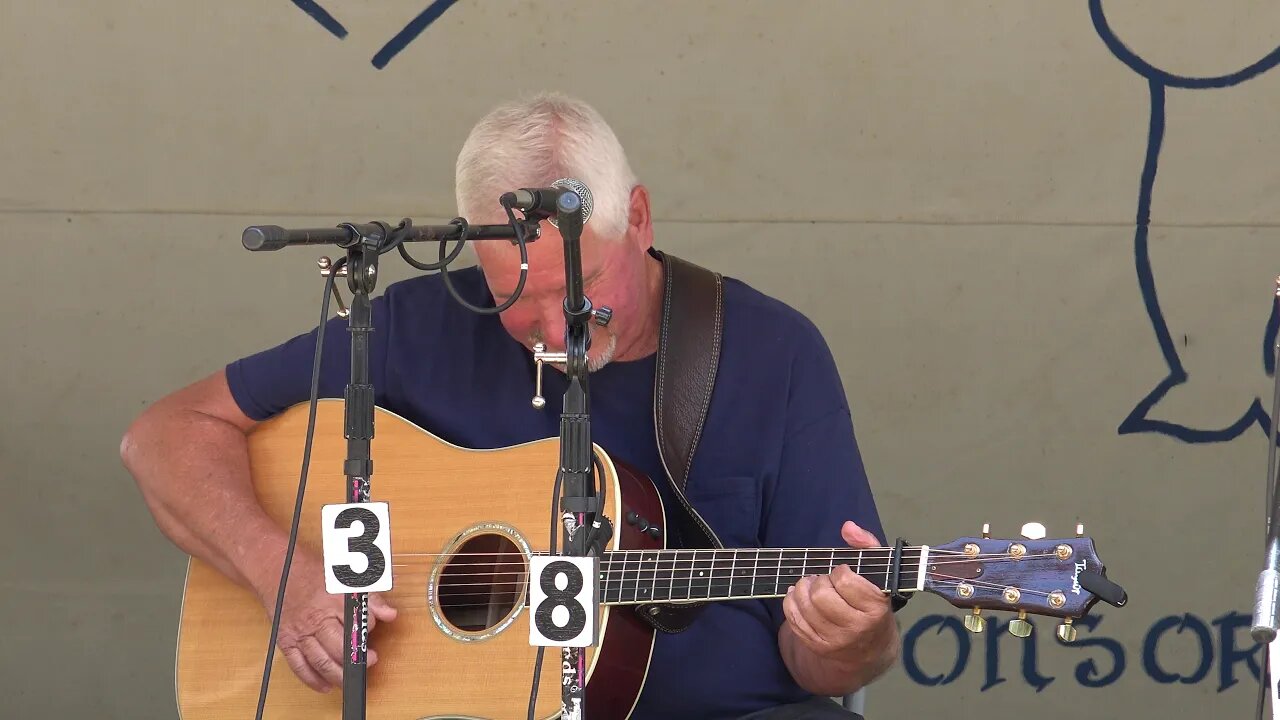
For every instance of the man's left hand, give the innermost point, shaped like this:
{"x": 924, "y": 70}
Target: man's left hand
{"x": 842, "y": 617}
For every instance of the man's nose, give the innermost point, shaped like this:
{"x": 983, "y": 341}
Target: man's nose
{"x": 551, "y": 324}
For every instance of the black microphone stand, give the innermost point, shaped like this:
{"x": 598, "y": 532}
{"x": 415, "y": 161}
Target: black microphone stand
{"x": 580, "y": 503}
{"x": 362, "y": 275}
{"x": 364, "y": 243}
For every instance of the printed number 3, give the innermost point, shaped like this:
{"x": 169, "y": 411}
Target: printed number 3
{"x": 362, "y": 544}
{"x": 340, "y": 547}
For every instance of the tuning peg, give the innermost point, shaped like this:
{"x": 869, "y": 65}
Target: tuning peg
{"x": 1033, "y": 531}
{"x": 1020, "y": 627}
{"x": 541, "y": 356}
{"x": 986, "y": 530}
{"x": 975, "y": 623}
{"x": 1067, "y": 631}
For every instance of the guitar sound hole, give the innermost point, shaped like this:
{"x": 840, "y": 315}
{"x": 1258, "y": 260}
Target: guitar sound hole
{"x": 482, "y": 583}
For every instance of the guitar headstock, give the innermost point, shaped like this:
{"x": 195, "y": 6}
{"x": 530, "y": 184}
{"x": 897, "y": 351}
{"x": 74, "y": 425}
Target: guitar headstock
{"x": 1059, "y": 577}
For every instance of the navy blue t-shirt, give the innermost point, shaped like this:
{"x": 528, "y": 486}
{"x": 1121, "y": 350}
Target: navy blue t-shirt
{"x": 777, "y": 464}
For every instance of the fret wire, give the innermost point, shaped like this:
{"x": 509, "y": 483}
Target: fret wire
{"x": 657, "y": 568}
{"x": 710, "y": 572}
{"x": 653, "y": 579}
{"x": 671, "y": 581}
{"x": 676, "y": 568}
{"x": 755, "y": 571}
{"x": 689, "y": 592}
{"x": 777, "y": 572}
{"x": 733, "y": 570}
{"x": 604, "y": 582}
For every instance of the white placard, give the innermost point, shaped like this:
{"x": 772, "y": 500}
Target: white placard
{"x": 564, "y": 601}
{"x": 357, "y": 547}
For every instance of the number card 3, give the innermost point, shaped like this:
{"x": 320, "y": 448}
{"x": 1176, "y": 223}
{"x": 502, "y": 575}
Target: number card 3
{"x": 564, "y": 601}
{"x": 357, "y": 547}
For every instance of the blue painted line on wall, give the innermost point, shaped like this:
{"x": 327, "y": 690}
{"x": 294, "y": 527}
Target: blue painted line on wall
{"x": 322, "y": 16}
{"x": 410, "y": 32}
{"x": 1158, "y": 81}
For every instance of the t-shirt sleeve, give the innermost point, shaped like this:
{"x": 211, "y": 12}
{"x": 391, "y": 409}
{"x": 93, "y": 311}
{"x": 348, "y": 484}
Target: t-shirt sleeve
{"x": 821, "y": 481}
{"x": 274, "y": 379}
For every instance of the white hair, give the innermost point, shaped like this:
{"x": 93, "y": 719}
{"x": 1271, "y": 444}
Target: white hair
{"x": 534, "y": 141}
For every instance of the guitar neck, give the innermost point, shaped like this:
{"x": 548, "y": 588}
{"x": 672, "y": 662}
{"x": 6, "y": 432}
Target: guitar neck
{"x": 636, "y": 576}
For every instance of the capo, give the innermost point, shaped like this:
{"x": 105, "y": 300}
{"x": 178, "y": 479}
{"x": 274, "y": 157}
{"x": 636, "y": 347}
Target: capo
{"x": 895, "y": 577}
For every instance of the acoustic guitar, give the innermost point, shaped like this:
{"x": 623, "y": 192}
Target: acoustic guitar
{"x": 465, "y": 523}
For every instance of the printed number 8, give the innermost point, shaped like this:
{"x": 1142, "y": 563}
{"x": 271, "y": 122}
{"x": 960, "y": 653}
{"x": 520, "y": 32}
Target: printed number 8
{"x": 362, "y": 544}
{"x": 566, "y": 598}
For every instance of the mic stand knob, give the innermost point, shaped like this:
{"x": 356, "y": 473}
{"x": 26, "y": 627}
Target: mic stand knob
{"x": 602, "y": 315}
{"x": 540, "y": 356}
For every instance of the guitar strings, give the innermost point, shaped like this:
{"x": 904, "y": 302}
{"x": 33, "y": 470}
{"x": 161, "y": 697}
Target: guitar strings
{"x": 752, "y": 555}
{"x": 655, "y": 577}
{"x": 514, "y": 601}
{"x": 654, "y": 565}
{"x": 906, "y": 550}
{"x": 729, "y": 575}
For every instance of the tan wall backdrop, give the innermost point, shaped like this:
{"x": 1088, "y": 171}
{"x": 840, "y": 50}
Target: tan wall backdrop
{"x": 949, "y": 189}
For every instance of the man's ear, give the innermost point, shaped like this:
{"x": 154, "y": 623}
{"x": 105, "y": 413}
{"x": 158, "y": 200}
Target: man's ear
{"x": 639, "y": 221}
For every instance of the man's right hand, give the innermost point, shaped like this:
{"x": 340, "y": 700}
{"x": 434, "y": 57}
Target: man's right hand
{"x": 311, "y": 624}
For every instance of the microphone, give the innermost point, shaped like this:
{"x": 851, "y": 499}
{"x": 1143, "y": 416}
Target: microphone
{"x": 542, "y": 201}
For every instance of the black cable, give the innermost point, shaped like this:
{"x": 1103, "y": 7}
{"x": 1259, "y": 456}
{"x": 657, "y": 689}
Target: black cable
{"x": 397, "y": 243}
{"x": 524, "y": 267}
{"x": 537, "y": 662}
{"x": 302, "y": 483}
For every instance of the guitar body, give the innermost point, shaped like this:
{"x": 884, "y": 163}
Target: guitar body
{"x": 458, "y": 648}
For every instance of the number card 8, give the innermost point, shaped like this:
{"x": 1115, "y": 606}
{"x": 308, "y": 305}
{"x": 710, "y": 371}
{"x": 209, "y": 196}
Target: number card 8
{"x": 357, "y": 547}
{"x": 564, "y": 601}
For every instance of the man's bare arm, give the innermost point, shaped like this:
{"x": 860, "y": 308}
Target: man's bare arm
{"x": 189, "y": 457}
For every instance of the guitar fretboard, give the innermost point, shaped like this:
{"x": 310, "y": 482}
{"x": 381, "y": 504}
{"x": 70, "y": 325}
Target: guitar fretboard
{"x": 632, "y": 577}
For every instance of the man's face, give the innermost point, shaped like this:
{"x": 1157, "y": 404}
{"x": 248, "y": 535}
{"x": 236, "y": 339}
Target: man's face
{"x": 538, "y": 315}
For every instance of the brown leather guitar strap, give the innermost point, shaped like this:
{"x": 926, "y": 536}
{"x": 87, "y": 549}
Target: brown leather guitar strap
{"x": 688, "y": 358}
